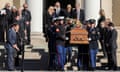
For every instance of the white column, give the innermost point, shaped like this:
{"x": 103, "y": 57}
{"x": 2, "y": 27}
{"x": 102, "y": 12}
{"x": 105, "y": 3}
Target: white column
{"x": 36, "y": 8}
{"x": 22, "y": 2}
{"x": 92, "y": 8}
{"x": 81, "y": 2}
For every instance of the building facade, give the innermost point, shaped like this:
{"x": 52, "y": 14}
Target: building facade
{"x": 91, "y": 7}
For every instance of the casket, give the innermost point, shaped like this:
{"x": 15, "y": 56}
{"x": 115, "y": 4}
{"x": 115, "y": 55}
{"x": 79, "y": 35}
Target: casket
{"x": 78, "y": 36}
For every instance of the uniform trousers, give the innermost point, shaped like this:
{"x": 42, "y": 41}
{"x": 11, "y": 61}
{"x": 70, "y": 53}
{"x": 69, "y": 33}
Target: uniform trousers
{"x": 61, "y": 56}
{"x": 93, "y": 52}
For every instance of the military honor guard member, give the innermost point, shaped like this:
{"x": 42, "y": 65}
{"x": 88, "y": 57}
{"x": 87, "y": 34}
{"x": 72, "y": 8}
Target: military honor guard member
{"x": 83, "y": 49}
{"x": 51, "y": 33}
{"x": 68, "y": 27}
{"x": 93, "y": 43}
{"x": 60, "y": 43}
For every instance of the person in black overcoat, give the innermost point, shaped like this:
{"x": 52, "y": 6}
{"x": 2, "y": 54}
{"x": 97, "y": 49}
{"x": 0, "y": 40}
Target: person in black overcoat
{"x": 48, "y": 17}
{"x": 112, "y": 47}
{"x": 69, "y": 11}
{"x": 5, "y": 21}
{"x": 59, "y": 11}
{"x": 27, "y": 21}
{"x": 79, "y": 14}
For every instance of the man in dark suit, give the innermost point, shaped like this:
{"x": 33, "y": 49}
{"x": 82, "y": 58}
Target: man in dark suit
{"x": 79, "y": 13}
{"x": 58, "y": 10}
{"x": 11, "y": 46}
{"x": 103, "y": 32}
{"x": 27, "y": 19}
{"x": 49, "y": 15}
{"x": 112, "y": 46}
{"x": 5, "y": 21}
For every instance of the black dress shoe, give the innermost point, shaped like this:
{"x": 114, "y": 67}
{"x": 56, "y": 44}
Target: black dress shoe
{"x": 115, "y": 68}
{"x": 11, "y": 69}
{"x": 92, "y": 69}
{"x": 110, "y": 68}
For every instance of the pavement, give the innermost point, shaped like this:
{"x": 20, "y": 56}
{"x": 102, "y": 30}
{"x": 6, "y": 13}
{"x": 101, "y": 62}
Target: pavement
{"x": 36, "y": 56}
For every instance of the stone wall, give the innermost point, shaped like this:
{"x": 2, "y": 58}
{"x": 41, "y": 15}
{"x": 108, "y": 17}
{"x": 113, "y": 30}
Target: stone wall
{"x": 107, "y": 6}
{"x": 116, "y": 12}
{"x": 17, "y": 3}
{"x": 3, "y": 2}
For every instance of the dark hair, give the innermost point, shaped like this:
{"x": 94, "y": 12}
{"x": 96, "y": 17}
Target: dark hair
{"x": 14, "y": 24}
{"x": 111, "y": 24}
{"x": 92, "y": 21}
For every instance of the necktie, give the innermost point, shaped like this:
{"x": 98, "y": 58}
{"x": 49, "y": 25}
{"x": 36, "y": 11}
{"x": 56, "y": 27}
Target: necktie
{"x": 78, "y": 14}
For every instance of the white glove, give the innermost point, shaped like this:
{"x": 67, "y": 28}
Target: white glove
{"x": 89, "y": 39}
{"x": 66, "y": 38}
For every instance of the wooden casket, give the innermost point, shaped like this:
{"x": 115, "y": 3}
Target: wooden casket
{"x": 78, "y": 36}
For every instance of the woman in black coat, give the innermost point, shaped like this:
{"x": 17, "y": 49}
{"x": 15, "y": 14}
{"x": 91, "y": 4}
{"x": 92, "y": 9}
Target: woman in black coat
{"x": 101, "y": 22}
{"x": 102, "y": 17}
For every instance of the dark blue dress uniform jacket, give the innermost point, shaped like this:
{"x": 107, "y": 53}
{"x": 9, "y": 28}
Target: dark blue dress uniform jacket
{"x": 94, "y": 35}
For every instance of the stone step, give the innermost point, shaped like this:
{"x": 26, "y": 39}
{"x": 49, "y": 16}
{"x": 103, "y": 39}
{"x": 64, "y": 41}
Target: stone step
{"x": 98, "y": 64}
{"x": 100, "y": 54}
{"x": 28, "y": 50}
{"x": 104, "y": 60}
{"x": 32, "y": 55}
{"x": 2, "y": 47}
